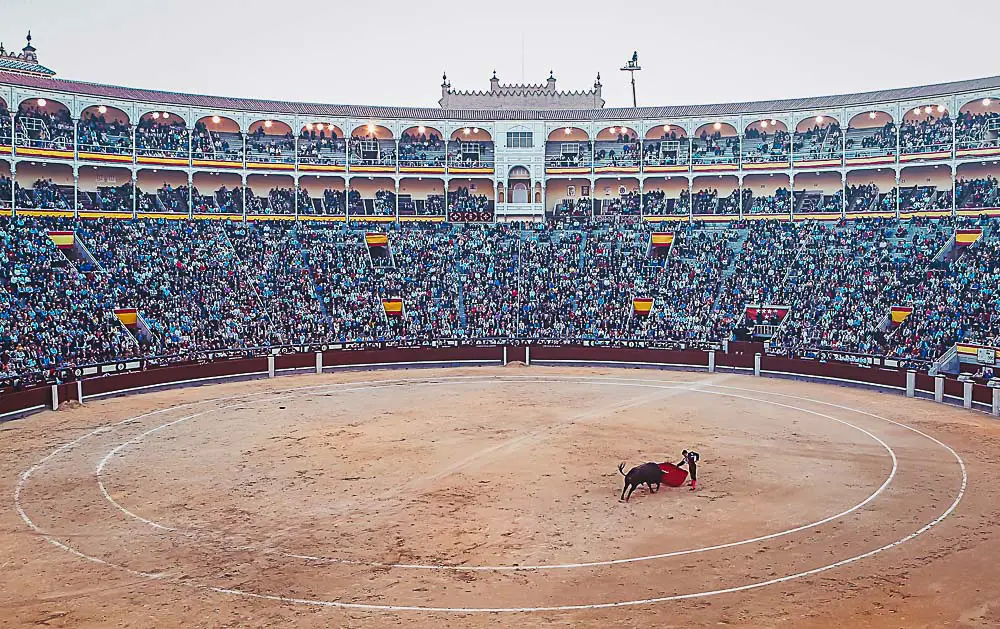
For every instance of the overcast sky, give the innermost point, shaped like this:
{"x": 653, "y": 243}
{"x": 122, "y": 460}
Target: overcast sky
{"x": 392, "y": 52}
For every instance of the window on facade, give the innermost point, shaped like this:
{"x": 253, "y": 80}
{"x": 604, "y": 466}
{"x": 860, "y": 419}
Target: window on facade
{"x": 519, "y": 139}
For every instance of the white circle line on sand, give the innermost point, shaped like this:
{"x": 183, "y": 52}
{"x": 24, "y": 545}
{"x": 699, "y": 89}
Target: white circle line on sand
{"x": 524, "y": 568}
{"x": 557, "y": 608}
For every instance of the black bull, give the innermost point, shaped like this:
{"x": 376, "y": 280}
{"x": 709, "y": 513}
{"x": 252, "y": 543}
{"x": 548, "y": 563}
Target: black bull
{"x": 648, "y": 473}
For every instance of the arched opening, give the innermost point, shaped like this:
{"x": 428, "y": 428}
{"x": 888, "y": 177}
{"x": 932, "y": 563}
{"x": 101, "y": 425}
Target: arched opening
{"x": 162, "y": 137}
{"x": 6, "y": 187}
{"x": 977, "y": 128}
{"x": 41, "y": 186}
{"x": 44, "y": 125}
{"x": 926, "y": 129}
{"x": 818, "y": 141}
{"x": 470, "y": 200}
{"x": 104, "y": 130}
{"x": 978, "y": 187}
{"x": 6, "y": 137}
{"x": 372, "y": 148}
{"x": 538, "y": 192}
{"x": 371, "y": 197}
{"x": 766, "y": 194}
{"x": 666, "y": 196}
{"x": 322, "y": 196}
{"x": 616, "y": 197}
{"x": 871, "y": 192}
{"x": 270, "y": 142}
{"x": 421, "y": 148}
{"x": 519, "y": 185}
{"x": 568, "y": 150}
{"x": 217, "y": 139}
{"x": 766, "y": 142}
{"x": 322, "y": 147}
{"x": 716, "y": 143}
{"x": 870, "y": 138}
{"x": 104, "y": 190}
{"x": 715, "y": 195}
{"x": 217, "y": 193}
{"x": 568, "y": 198}
{"x": 925, "y": 189}
{"x": 666, "y": 147}
{"x": 421, "y": 196}
{"x": 616, "y": 149}
{"x": 471, "y": 150}
{"x": 161, "y": 191}
{"x": 818, "y": 192}
{"x": 270, "y": 195}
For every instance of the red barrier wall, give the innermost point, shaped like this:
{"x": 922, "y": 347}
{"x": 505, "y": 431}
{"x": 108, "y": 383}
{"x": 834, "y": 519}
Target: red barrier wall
{"x": 21, "y": 400}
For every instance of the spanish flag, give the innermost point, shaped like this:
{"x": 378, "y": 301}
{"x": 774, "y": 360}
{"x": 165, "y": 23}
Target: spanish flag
{"x": 377, "y": 239}
{"x": 965, "y": 237}
{"x": 642, "y": 306}
{"x": 900, "y": 313}
{"x": 393, "y": 307}
{"x": 661, "y": 239}
{"x": 128, "y": 316}
{"x": 63, "y": 240}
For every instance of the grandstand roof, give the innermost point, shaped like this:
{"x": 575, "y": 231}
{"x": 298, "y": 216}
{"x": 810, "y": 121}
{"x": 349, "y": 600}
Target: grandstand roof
{"x": 99, "y": 90}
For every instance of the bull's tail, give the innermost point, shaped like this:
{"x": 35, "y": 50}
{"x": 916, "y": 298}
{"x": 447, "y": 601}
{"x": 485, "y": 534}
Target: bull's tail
{"x": 621, "y": 468}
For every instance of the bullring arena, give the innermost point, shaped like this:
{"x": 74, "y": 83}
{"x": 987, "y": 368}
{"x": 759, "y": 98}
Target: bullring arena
{"x": 489, "y": 497}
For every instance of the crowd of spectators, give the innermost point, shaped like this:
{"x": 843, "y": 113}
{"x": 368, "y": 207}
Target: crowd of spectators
{"x": 208, "y": 285}
{"x": 39, "y": 128}
{"x": 917, "y": 198}
{"x": 270, "y": 148}
{"x": 980, "y": 192}
{"x": 759, "y": 146}
{"x": 576, "y": 154}
{"x": 713, "y": 148}
{"x": 778, "y": 203}
{"x": 6, "y": 191}
{"x": 925, "y": 136}
{"x": 622, "y": 151}
{"x": 44, "y": 194}
{"x": 158, "y": 139}
{"x": 818, "y": 142}
{"x": 421, "y": 149}
{"x": 96, "y": 134}
{"x": 216, "y": 145}
{"x": 871, "y": 142}
{"x": 975, "y": 131}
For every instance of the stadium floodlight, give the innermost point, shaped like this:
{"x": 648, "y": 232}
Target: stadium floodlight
{"x": 102, "y": 109}
{"x": 268, "y": 124}
{"x": 216, "y": 119}
{"x": 986, "y": 102}
{"x": 41, "y": 102}
{"x": 632, "y": 67}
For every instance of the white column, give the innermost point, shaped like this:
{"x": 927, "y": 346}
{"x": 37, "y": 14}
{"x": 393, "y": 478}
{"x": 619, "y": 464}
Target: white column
{"x": 504, "y": 355}
{"x": 756, "y": 364}
{"x": 79, "y": 391}
{"x": 967, "y": 397}
{"x": 939, "y": 388}
{"x": 55, "y": 397}
{"x": 527, "y": 355}
{"x": 911, "y": 383}
{"x": 711, "y": 361}
{"x": 270, "y": 366}
{"x": 319, "y": 362}
{"x": 996, "y": 399}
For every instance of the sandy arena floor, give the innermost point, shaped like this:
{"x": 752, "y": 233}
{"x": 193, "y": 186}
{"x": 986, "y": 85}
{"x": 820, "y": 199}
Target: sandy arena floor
{"x": 489, "y": 497}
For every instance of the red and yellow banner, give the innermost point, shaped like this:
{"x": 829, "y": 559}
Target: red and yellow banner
{"x": 377, "y": 239}
{"x": 642, "y": 306}
{"x": 900, "y": 313}
{"x": 393, "y": 307}
{"x": 128, "y": 316}
{"x": 63, "y": 240}
{"x": 965, "y": 237}
{"x": 661, "y": 239}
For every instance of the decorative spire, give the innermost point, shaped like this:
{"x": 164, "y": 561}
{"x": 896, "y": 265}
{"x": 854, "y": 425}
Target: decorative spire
{"x": 28, "y": 46}
{"x": 444, "y": 79}
{"x": 597, "y": 83}
{"x": 552, "y": 76}
{"x": 494, "y": 73}
{"x": 2, "y": 51}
